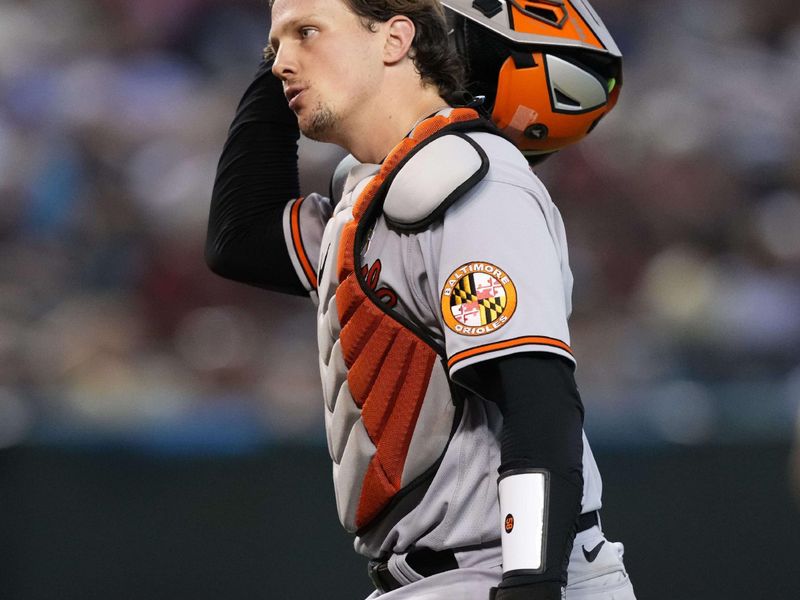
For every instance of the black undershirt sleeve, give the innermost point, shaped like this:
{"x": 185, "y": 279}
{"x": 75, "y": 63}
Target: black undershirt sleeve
{"x": 256, "y": 177}
{"x": 542, "y": 428}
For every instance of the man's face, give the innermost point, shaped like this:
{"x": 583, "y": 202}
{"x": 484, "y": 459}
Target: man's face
{"x": 329, "y": 62}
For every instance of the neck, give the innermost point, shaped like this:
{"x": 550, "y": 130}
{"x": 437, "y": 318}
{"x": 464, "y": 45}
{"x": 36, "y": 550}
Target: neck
{"x": 382, "y": 126}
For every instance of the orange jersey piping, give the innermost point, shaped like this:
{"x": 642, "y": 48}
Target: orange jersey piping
{"x": 520, "y": 341}
{"x": 299, "y": 248}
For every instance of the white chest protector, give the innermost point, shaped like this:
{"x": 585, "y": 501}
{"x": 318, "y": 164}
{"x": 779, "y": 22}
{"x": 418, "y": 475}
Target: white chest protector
{"x": 414, "y": 458}
{"x": 390, "y": 408}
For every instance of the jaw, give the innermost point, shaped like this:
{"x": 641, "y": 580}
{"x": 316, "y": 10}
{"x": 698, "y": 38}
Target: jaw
{"x": 317, "y": 121}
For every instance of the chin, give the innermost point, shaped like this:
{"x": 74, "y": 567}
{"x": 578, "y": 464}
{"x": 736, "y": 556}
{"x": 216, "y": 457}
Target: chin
{"x": 320, "y": 124}
{"x": 316, "y": 135}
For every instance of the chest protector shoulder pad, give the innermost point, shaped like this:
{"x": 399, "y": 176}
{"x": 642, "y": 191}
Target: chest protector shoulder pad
{"x": 432, "y": 179}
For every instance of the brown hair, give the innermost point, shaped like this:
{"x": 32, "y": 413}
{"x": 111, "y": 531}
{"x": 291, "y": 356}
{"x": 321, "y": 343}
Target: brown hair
{"x": 436, "y": 61}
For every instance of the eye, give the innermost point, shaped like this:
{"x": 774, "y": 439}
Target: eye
{"x": 307, "y": 32}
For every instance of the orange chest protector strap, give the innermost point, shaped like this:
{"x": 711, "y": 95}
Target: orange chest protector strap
{"x": 390, "y": 359}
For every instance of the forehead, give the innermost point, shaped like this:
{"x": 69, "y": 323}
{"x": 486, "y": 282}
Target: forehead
{"x": 286, "y": 12}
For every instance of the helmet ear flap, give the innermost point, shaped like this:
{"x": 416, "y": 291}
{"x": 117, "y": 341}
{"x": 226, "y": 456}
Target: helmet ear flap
{"x": 547, "y": 101}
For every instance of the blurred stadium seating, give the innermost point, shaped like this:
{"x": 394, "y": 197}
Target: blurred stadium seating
{"x": 682, "y": 211}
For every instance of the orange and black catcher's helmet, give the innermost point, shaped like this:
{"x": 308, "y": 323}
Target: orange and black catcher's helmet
{"x": 549, "y": 69}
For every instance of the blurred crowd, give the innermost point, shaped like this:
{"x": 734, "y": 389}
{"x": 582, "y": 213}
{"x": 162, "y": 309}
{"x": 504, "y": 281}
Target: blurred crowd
{"x": 682, "y": 211}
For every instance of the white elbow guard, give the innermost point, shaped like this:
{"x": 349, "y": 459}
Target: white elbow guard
{"x": 524, "y": 498}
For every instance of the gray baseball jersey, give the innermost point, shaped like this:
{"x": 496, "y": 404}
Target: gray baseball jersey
{"x": 487, "y": 277}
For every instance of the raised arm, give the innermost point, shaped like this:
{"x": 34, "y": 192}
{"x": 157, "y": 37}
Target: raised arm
{"x": 256, "y": 178}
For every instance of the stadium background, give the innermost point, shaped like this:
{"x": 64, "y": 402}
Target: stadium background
{"x": 161, "y": 431}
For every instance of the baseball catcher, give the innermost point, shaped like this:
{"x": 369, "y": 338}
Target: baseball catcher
{"x": 439, "y": 267}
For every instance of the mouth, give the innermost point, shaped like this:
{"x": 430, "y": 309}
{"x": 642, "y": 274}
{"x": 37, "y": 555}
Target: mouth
{"x": 293, "y": 94}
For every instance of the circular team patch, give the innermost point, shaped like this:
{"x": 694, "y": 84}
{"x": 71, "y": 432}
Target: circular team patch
{"x": 478, "y": 298}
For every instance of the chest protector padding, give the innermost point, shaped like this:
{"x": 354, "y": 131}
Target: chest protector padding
{"x": 388, "y": 365}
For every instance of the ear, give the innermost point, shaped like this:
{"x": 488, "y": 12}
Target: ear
{"x": 400, "y": 31}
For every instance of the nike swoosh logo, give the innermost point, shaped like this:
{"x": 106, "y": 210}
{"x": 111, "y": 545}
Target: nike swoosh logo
{"x": 592, "y": 554}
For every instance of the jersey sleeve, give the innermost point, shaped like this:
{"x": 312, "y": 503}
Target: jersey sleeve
{"x": 503, "y": 275}
{"x": 304, "y": 221}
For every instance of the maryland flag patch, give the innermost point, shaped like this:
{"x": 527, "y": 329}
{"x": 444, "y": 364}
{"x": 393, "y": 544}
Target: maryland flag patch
{"x": 478, "y": 298}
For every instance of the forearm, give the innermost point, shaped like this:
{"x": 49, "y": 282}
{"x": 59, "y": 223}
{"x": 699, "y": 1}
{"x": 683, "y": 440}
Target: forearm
{"x": 542, "y": 446}
{"x": 256, "y": 177}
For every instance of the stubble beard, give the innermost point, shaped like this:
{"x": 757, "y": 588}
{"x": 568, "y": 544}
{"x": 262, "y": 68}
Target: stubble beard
{"x": 322, "y": 123}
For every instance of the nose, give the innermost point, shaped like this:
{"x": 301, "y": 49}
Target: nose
{"x": 284, "y": 68}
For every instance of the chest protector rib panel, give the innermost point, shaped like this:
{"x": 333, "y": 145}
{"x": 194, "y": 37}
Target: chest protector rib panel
{"x": 396, "y": 382}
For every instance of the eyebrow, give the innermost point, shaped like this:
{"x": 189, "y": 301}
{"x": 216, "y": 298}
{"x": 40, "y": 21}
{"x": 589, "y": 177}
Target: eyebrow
{"x": 289, "y": 25}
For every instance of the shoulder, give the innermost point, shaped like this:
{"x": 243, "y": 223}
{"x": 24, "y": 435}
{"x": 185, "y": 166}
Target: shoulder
{"x": 507, "y": 164}
{"x": 510, "y": 188}
{"x": 457, "y": 168}
{"x": 432, "y": 178}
